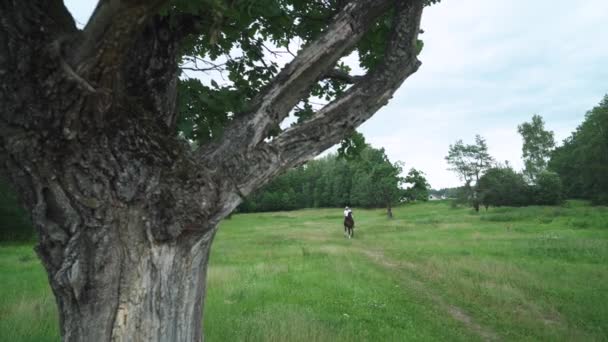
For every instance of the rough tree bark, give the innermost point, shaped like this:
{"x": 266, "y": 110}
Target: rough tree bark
{"x": 125, "y": 211}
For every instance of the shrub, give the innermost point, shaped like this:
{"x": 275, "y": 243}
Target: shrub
{"x": 548, "y": 189}
{"x": 502, "y": 186}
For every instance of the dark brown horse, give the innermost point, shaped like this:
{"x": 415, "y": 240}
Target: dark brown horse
{"x": 349, "y": 225}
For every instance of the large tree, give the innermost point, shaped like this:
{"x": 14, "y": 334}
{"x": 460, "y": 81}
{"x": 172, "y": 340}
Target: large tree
{"x": 377, "y": 180}
{"x": 537, "y": 147}
{"x": 124, "y": 207}
{"x": 469, "y": 162}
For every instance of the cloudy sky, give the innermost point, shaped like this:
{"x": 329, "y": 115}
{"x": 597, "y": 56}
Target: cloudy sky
{"x": 488, "y": 65}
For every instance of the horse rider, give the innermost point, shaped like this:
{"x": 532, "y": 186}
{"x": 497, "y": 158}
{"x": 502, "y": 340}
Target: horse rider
{"x": 348, "y": 210}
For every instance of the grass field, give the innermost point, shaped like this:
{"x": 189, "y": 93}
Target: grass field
{"x": 432, "y": 273}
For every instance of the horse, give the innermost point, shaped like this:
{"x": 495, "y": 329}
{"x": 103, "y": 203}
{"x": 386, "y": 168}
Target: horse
{"x": 349, "y": 225}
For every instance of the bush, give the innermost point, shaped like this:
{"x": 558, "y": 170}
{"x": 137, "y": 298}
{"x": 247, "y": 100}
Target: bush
{"x": 548, "y": 189}
{"x": 502, "y": 186}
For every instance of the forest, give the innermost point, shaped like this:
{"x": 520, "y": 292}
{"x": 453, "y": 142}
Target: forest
{"x": 370, "y": 180}
{"x": 576, "y": 169}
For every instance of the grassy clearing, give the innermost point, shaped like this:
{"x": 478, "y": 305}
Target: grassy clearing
{"x": 432, "y": 273}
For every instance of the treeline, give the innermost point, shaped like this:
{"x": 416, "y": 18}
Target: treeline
{"x": 445, "y": 192}
{"x": 368, "y": 179}
{"x": 577, "y": 169}
{"x": 503, "y": 186}
{"x": 582, "y": 160}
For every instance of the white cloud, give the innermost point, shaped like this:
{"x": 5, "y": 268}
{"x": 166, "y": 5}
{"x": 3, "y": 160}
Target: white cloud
{"x": 489, "y": 65}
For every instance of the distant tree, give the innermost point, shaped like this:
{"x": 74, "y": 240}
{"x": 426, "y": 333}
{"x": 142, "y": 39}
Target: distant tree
{"x": 444, "y": 192}
{"x": 419, "y": 189}
{"x": 582, "y": 161}
{"x": 547, "y": 189}
{"x": 361, "y": 189}
{"x": 469, "y": 162}
{"x": 387, "y": 183}
{"x": 502, "y": 186}
{"x": 537, "y": 147}
{"x": 370, "y": 180}
{"x": 382, "y": 183}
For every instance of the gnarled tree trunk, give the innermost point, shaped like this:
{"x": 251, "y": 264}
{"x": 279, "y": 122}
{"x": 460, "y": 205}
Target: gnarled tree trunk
{"x": 125, "y": 210}
{"x": 133, "y": 288}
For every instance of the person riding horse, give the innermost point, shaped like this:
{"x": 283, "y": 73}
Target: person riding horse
{"x": 349, "y": 222}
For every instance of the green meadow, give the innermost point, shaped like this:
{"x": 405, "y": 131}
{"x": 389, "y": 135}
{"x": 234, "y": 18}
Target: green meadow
{"x": 433, "y": 273}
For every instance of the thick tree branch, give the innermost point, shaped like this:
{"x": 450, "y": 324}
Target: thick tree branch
{"x": 293, "y": 82}
{"x": 151, "y": 68}
{"x": 27, "y": 30}
{"x": 359, "y": 103}
{"x": 109, "y": 36}
{"x": 51, "y": 19}
{"x": 249, "y": 168}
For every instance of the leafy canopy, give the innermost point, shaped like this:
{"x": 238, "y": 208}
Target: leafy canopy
{"x": 502, "y": 186}
{"x": 469, "y": 161}
{"x": 419, "y": 187}
{"x": 241, "y": 47}
{"x": 582, "y": 160}
{"x": 370, "y": 180}
{"x": 537, "y": 146}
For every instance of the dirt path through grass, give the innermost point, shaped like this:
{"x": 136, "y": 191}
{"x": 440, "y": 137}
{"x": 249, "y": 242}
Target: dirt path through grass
{"x": 457, "y": 313}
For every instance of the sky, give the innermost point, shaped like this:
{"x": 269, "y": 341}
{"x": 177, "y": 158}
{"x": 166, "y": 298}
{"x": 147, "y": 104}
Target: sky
{"x": 488, "y": 66}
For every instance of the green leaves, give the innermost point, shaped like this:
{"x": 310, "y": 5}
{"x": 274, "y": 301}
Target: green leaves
{"x": 352, "y": 146}
{"x": 469, "y": 161}
{"x": 371, "y": 48}
{"x": 537, "y": 147}
{"x": 419, "y": 188}
{"x": 204, "y": 111}
{"x": 304, "y": 112}
{"x": 582, "y": 160}
{"x": 247, "y": 41}
{"x": 370, "y": 180}
{"x": 502, "y": 186}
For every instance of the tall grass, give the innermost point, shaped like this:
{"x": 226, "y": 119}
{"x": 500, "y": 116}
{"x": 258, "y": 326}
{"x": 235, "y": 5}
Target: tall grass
{"x": 432, "y": 273}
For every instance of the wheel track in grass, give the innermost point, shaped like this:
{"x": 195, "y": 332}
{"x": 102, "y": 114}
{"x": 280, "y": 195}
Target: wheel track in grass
{"x": 457, "y": 313}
